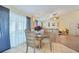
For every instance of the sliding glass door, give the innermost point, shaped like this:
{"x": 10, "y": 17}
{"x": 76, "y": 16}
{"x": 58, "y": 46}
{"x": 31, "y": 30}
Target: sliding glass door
{"x": 17, "y": 28}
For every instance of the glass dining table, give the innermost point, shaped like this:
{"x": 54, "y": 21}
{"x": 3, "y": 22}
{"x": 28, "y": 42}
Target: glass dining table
{"x": 51, "y": 37}
{"x": 40, "y": 38}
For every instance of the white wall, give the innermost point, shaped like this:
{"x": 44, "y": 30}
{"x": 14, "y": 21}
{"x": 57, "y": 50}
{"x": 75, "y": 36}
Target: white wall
{"x": 70, "y": 21}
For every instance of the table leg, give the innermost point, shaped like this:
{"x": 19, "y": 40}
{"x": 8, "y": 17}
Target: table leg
{"x": 40, "y": 44}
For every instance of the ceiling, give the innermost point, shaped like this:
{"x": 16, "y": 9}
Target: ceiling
{"x": 41, "y": 10}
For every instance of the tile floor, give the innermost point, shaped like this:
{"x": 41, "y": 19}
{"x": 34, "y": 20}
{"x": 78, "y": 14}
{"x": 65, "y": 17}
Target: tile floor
{"x": 57, "y": 48}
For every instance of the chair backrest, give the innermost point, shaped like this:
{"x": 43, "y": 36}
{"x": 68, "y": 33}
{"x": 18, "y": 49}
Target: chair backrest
{"x": 30, "y": 35}
{"x": 46, "y": 32}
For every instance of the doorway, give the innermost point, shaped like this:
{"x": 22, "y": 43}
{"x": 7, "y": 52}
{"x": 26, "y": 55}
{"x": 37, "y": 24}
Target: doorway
{"x": 28, "y": 24}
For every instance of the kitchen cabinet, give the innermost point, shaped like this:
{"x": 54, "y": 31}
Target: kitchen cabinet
{"x": 4, "y": 29}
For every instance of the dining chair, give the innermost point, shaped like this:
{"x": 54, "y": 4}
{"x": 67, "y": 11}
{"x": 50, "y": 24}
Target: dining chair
{"x": 30, "y": 40}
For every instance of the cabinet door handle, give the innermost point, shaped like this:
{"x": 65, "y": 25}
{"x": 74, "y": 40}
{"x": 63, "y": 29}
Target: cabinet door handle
{"x": 0, "y": 30}
{"x": 0, "y": 25}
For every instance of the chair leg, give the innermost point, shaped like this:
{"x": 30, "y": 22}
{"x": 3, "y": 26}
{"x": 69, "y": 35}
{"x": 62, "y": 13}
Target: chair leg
{"x": 40, "y": 44}
{"x": 34, "y": 50}
{"x": 27, "y": 48}
{"x": 50, "y": 46}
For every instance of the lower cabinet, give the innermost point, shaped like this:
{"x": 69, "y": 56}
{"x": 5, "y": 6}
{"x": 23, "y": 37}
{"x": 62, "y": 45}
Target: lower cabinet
{"x": 4, "y": 29}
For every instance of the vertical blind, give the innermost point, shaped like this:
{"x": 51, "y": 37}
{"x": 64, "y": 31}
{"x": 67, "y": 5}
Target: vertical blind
{"x": 17, "y": 28}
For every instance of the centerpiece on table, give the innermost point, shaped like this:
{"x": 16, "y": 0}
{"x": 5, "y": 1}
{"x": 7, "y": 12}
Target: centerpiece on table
{"x": 39, "y": 30}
